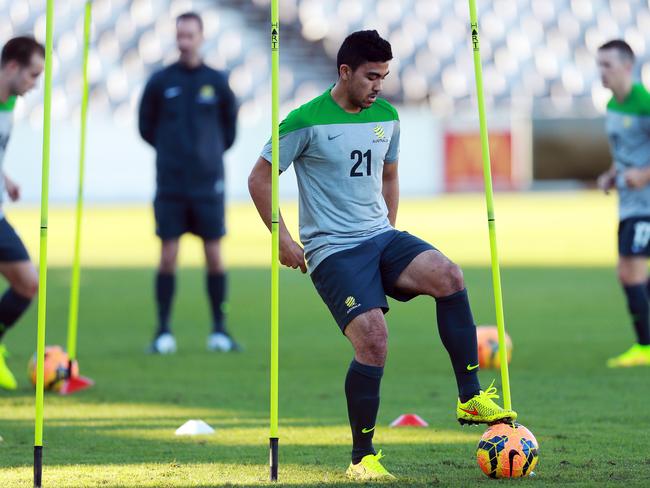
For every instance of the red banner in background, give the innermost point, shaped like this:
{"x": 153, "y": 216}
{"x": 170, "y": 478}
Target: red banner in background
{"x": 464, "y": 161}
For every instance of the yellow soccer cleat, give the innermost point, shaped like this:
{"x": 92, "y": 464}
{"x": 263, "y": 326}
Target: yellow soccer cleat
{"x": 637, "y": 355}
{"x": 480, "y": 409}
{"x": 369, "y": 468}
{"x": 7, "y": 379}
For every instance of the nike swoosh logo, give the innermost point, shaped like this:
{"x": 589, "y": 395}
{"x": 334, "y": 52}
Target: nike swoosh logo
{"x": 511, "y": 457}
{"x": 471, "y": 412}
{"x": 331, "y": 138}
{"x": 172, "y": 91}
{"x": 470, "y": 367}
{"x": 367, "y": 431}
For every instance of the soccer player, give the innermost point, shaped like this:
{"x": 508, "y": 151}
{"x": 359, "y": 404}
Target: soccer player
{"x": 21, "y": 63}
{"x": 344, "y": 145}
{"x": 628, "y": 130}
{"x": 188, "y": 113}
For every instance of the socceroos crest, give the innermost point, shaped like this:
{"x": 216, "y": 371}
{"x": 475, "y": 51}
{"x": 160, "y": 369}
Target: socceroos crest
{"x": 380, "y": 134}
{"x": 351, "y": 303}
{"x": 207, "y": 94}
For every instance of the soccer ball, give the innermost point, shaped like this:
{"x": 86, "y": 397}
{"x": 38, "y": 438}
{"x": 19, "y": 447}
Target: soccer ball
{"x": 55, "y": 368}
{"x": 488, "y": 347}
{"x": 507, "y": 451}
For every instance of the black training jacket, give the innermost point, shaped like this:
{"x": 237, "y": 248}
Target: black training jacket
{"x": 189, "y": 116}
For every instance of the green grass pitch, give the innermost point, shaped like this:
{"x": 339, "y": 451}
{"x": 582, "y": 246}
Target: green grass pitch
{"x": 593, "y": 424}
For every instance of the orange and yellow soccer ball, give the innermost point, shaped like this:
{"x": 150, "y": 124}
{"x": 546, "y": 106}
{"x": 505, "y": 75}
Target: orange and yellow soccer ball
{"x": 507, "y": 451}
{"x": 488, "y": 347}
{"x": 55, "y": 368}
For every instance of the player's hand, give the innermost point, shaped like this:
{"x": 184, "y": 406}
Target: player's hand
{"x": 292, "y": 255}
{"x": 607, "y": 181}
{"x": 13, "y": 190}
{"x": 635, "y": 178}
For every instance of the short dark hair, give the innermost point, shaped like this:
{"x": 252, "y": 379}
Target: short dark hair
{"x": 362, "y": 47}
{"x": 21, "y": 49}
{"x": 190, "y": 16}
{"x": 623, "y": 48}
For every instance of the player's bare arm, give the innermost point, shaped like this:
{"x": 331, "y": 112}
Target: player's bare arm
{"x": 259, "y": 186}
{"x": 607, "y": 180}
{"x": 13, "y": 189}
{"x": 390, "y": 190}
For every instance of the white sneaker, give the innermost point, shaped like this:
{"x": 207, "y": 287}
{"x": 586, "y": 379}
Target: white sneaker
{"x": 163, "y": 344}
{"x": 220, "y": 342}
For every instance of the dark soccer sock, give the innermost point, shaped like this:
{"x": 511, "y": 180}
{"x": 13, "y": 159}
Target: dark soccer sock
{"x": 362, "y": 392}
{"x": 216, "y": 284}
{"x": 12, "y": 306}
{"x": 637, "y": 304}
{"x": 165, "y": 284}
{"x": 458, "y": 334}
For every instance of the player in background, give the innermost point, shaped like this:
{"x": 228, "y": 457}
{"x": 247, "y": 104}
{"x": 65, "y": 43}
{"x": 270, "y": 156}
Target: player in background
{"x": 21, "y": 63}
{"x": 188, "y": 113}
{"x": 628, "y": 131}
{"x": 344, "y": 146}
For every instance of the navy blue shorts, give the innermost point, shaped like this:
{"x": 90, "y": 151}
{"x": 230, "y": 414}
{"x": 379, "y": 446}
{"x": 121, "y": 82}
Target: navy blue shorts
{"x": 11, "y": 247}
{"x": 356, "y": 280}
{"x": 634, "y": 237}
{"x": 177, "y": 215}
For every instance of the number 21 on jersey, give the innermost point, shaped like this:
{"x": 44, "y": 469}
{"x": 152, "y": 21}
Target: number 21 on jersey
{"x": 359, "y": 158}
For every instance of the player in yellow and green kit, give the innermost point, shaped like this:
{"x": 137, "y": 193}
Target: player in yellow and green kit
{"x": 344, "y": 146}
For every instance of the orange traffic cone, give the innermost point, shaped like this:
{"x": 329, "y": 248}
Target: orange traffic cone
{"x": 74, "y": 383}
{"x": 409, "y": 420}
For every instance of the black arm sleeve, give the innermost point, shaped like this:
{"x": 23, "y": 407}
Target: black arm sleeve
{"x": 149, "y": 110}
{"x": 228, "y": 114}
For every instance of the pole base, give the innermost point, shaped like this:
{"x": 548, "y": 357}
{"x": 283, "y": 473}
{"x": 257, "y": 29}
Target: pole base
{"x": 38, "y": 466}
{"x": 273, "y": 457}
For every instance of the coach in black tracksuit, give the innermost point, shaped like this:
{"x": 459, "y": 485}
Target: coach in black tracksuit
{"x": 188, "y": 114}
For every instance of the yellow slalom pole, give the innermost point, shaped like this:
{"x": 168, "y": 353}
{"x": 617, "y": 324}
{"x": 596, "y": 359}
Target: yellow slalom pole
{"x": 489, "y": 199}
{"x": 42, "y": 277}
{"x": 275, "y": 236}
{"x": 73, "y": 317}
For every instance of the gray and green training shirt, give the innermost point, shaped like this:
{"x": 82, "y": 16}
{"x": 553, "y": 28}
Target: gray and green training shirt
{"x": 338, "y": 158}
{"x": 628, "y": 130}
{"x": 6, "y": 123}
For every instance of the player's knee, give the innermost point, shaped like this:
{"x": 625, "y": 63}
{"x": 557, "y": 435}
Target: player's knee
{"x": 378, "y": 344}
{"x": 31, "y": 290}
{"x": 168, "y": 262}
{"x": 373, "y": 352}
{"x": 374, "y": 349}
{"x": 214, "y": 262}
{"x": 167, "y": 266}
{"x": 454, "y": 280}
{"x": 369, "y": 338}
{"x": 627, "y": 276}
{"x": 27, "y": 285}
